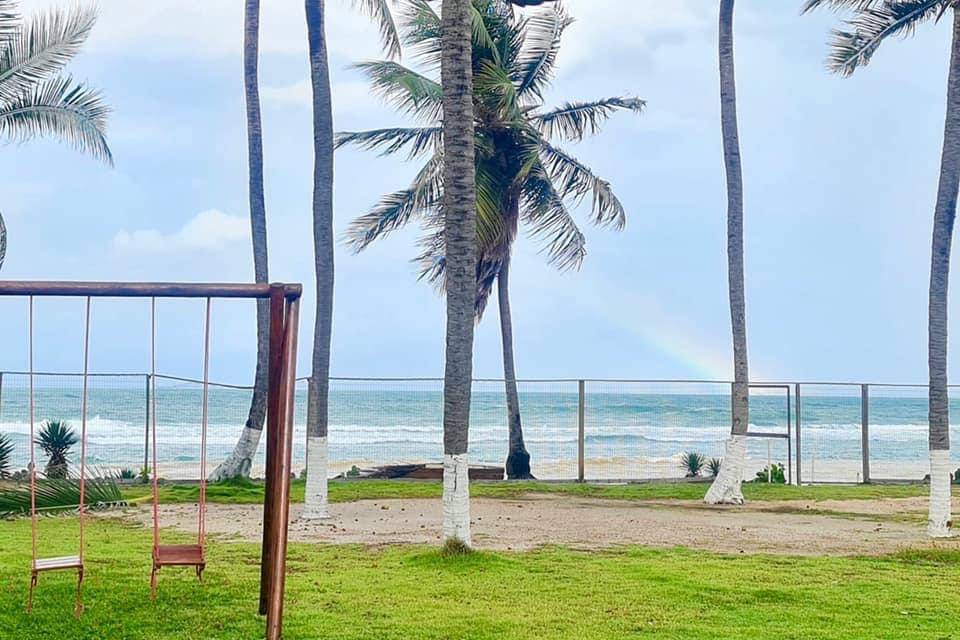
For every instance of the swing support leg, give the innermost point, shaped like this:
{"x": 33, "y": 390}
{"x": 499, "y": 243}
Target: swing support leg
{"x": 33, "y": 585}
{"x": 78, "y": 608}
{"x": 153, "y": 582}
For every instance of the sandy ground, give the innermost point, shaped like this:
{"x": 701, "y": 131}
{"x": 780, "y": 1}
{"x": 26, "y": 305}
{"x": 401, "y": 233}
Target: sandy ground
{"x": 854, "y": 527}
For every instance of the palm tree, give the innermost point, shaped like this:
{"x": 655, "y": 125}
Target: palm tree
{"x": 318, "y": 387}
{"x": 460, "y": 235}
{"x": 35, "y": 100}
{"x": 522, "y": 175}
{"x": 241, "y": 460}
{"x": 873, "y": 22}
{"x": 56, "y": 439}
{"x": 726, "y": 486}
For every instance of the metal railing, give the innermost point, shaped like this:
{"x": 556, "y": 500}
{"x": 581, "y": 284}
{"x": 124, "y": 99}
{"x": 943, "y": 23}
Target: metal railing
{"x": 575, "y": 429}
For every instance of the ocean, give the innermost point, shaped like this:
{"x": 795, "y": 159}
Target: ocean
{"x": 632, "y": 430}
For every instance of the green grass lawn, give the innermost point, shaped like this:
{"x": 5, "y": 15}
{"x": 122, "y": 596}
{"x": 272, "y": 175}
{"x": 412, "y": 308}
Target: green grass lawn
{"x": 246, "y": 492}
{"x": 413, "y": 592}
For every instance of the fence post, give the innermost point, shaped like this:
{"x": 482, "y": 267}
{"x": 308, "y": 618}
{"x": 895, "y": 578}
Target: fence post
{"x": 789, "y": 441}
{"x": 581, "y": 430}
{"x": 796, "y": 395}
{"x": 865, "y": 430}
{"x": 146, "y": 429}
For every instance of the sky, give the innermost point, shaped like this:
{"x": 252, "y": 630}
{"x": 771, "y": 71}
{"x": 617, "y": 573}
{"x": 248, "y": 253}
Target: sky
{"x": 840, "y": 182}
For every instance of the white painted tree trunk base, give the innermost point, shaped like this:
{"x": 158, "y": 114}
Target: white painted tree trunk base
{"x": 726, "y": 486}
{"x": 241, "y": 460}
{"x": 456, "y": 498}
{"x": 316, "y": 505}
{"x": 939, "y": 523}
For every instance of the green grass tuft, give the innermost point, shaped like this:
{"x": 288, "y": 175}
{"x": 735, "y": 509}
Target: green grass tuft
{"x": 455, "y": 547}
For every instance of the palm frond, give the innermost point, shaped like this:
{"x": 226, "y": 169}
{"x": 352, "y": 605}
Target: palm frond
{"x": 42, "y": 47}
{"x": 405, "y": 89}
{"x": 379, "y": 12}
{"x": 10, "y": 22}
{"x": 394, "y": 210}
{"x": 59, "y": 495}
{"x": 492, "y": 189}
{"x": 495, "y": 85}
{"x": 841, "y": 5}
{"x": 575, "y": 120}
{"x": 481, "y": 36}
{"x": 420, "y": 29}
{"x": 389, "y": 141}
{"x": 6, "y": 455}
{"x": 433, "y": 268}
{"x": 550, "y": 222}
{"x": 874, "y": 23}
{"x": 62, "y": 109}
{"x": 538, "y": 56}
{"x": 572, "y": 179}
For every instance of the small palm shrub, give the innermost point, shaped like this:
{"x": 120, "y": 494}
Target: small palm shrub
{"x": 127, "y": 474}
{"x": 713, "y": 466}
{"x": 56, "y": 439}
{"x": 693, "y": 463}
{"x": 6, "y": 456}
{"x": 774, "y": 474}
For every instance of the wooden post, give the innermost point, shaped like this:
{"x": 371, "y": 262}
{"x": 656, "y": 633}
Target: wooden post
{"x": 280, "y": 482}
{"x": 274, "y": 416}
{"x": 581, "y": 430}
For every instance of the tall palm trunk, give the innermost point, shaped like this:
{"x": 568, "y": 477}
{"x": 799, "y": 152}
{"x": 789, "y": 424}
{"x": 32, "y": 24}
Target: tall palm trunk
{"x": 318, "y": 390}
{"x": 241, "y": 460}
{"x": 943, "y": 219}
{"x": 459, "y": 207}
{"x": 518, "y": 459}
{"x": 726, "y": 488}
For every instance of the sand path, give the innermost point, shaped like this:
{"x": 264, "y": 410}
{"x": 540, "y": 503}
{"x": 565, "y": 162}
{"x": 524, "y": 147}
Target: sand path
{"x": 832, "y": 527}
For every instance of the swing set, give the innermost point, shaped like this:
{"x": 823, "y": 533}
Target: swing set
{"x": 284, "y": 301}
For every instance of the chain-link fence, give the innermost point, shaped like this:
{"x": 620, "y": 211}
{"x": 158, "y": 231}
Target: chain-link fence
{"x": 830, "y": 429}
{"x": 573, "y": 429}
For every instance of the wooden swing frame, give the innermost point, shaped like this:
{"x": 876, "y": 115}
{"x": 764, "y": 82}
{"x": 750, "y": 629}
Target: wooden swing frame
{"x": 284, "y": 301}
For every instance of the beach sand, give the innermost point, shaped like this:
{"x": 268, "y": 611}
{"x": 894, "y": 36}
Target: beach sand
{"x": 624, "y": 469}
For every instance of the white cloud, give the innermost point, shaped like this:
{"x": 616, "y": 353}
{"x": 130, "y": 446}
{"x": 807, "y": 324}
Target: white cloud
{"x": 298, "y": 94}
{"x": 210, "y": 230}
{"x": 349, "y": 98}
{"x": 193, "y": 28}
{"x": 215, "y": 27}
{"x": 609, "y": 27}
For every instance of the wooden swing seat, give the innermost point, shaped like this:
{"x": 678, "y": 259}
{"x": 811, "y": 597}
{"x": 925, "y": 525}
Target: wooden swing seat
{"x": 57, "y": 564}
{"x": 41, "y": 565}
{"x": 179, "y": 555}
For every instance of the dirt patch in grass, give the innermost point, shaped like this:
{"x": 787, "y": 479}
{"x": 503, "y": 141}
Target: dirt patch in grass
{"x": 829, "y": 527}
